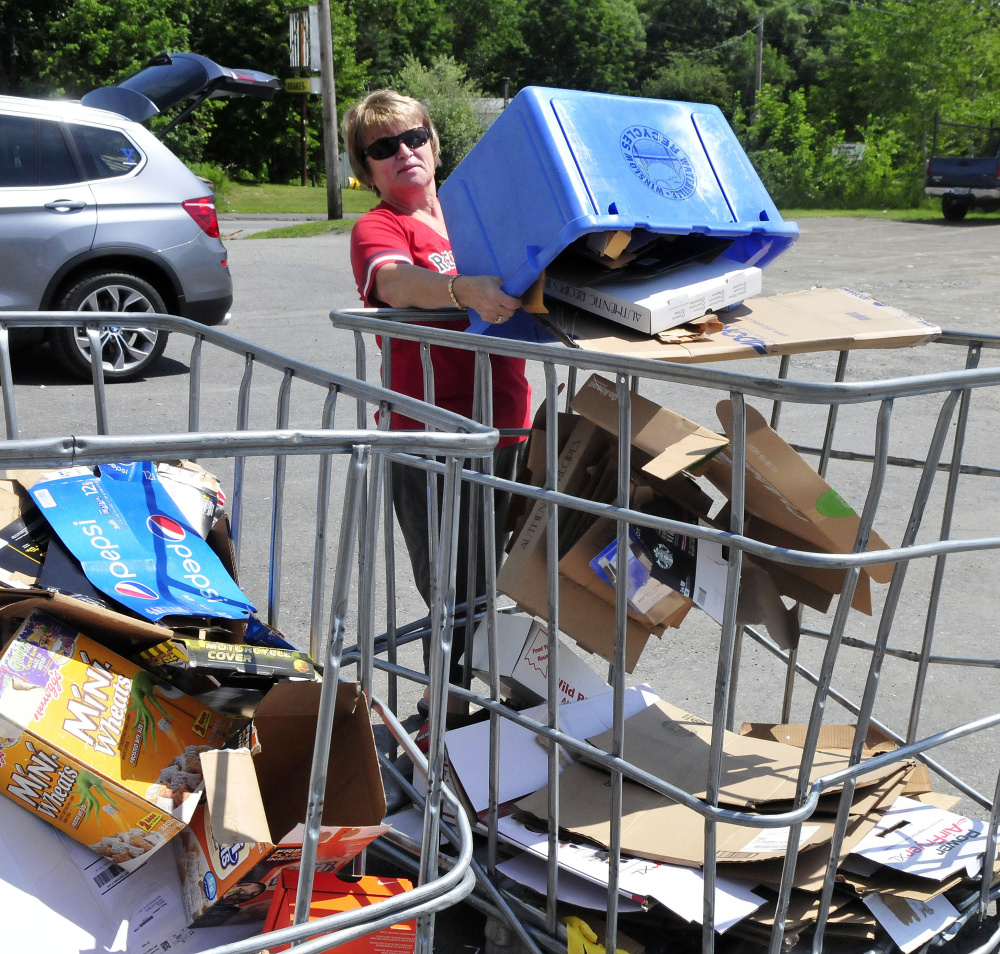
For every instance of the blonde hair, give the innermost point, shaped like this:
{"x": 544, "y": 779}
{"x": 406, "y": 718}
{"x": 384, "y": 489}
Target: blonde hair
{"x": 378, "y": 112}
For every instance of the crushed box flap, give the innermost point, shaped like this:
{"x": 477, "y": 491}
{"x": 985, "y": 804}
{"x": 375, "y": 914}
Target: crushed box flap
{"x": 232, "y": 797}
{"x": 673, "y": 443}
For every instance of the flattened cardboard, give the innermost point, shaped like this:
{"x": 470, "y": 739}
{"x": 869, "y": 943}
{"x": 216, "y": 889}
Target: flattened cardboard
{"x": 784, "y": 490}
{"x": 674, "y": 745}
{"x": 24, "y": 534}
{"x": 840, "y": 738}
{"x": 817, "y": 319}
{"x": 810, "y": 869}
{"x": 656, "y": 828}
{"x": 667, "y": 442}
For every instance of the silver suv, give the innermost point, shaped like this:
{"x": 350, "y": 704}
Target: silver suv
{"x": 96, "y": 214}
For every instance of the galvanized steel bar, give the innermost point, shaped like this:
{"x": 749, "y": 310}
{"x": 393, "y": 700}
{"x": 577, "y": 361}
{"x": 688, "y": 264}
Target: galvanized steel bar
{"x": 951, "y": 492}
{"x": 7, "y": 381}
{"x": 552, "y": 620}
{"x": 239, "y": 466}
{"x": 322, "y": 519}
{"x": 194, "y": 385}
{"x": 97, "y": 375}
{"x": 356, "y": 472}
{"x": 278, "y": 508}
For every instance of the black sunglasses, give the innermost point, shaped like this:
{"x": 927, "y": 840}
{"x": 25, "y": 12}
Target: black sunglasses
{"x": 387, "y": 146}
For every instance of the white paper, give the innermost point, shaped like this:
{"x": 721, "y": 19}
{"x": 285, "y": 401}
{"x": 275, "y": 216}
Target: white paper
{"x": 524, "y": 766}
{"x": 53, "y": 904}
{"x": 679, "y": 889}
{"x": 911, "y": 924}
{"x": 532, "y": 872}
{"x": 925, "y": 841}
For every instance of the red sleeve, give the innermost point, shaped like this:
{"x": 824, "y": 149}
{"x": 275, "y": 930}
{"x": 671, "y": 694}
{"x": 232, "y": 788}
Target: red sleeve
{"x": 377, "y": 237}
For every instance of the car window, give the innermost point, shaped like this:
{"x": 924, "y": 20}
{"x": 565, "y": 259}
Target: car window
{"x": 33, "y": 152}
{"x": 105, "y": 152}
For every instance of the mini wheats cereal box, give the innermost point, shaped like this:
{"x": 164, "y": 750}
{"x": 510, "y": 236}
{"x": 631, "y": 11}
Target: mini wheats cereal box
{"x": 97, "y": 746}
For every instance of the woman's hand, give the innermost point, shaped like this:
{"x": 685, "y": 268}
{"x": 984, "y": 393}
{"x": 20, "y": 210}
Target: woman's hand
{"x": 483, "y": 294}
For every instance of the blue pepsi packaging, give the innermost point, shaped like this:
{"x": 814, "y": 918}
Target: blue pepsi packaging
{"x": 135, "y": 545}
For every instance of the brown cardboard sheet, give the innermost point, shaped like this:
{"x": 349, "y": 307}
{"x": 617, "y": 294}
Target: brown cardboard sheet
{"x": 816, "y": 319}
{"x": 657, "y": 828}
{"x": 674, "y": 746}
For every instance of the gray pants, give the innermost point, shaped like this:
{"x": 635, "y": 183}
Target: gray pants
{"x": 409, "y": 500}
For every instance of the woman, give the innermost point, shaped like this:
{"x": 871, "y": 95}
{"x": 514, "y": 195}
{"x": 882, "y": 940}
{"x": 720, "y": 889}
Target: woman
{"x": 402, "y": 258}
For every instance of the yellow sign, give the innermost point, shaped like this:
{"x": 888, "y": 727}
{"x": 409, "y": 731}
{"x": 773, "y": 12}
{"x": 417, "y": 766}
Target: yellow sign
{"x": 298, "y": 84}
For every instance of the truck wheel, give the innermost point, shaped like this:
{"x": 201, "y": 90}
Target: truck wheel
{"x": 127, "y": 350}
{"x": 954, "y": 208}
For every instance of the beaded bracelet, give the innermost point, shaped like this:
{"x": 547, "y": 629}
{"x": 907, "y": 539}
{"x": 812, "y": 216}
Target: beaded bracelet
{"x": 451, "y": 290}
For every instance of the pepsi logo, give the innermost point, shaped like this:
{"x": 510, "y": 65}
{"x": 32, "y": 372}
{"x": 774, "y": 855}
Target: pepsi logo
{"x": 137, "y": 591}
{"x": 165, "y": 528}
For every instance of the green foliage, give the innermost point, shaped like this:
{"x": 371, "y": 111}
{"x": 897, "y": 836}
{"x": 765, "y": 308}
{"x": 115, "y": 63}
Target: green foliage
{"x": 582, "y": 44}
{"x": 222, "y": 185}
{"x": 448, "y": 95}
{"x": 389, "y": 31}
{"x": 801, "y": 165}
{"x": 488, "y": 39}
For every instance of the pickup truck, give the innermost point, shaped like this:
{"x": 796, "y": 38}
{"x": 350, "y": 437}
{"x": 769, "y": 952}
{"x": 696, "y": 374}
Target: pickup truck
{"x": 965, "y": 182}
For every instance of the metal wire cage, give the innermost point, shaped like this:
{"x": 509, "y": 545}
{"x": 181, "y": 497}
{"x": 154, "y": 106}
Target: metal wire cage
{"x": 307, "y": 496}
{"x": 910, "y": 439}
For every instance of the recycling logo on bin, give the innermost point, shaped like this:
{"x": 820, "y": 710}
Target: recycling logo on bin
{"x": 660, "y": 164}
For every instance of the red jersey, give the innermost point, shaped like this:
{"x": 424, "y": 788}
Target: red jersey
{"x": 386, "y": 235}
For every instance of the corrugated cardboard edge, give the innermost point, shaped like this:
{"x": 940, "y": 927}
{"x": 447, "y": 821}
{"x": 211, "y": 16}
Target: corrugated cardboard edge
{"x": 230, "y": 783}
{"x": 673, "y": 442}
{"x": 739, "y": 338}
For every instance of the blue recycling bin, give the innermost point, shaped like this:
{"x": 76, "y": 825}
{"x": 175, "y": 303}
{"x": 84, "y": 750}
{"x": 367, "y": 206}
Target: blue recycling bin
{"x": 560, "y": 164}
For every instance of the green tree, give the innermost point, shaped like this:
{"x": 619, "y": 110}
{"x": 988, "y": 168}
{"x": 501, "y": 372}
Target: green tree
{"x": 488, "y": 39}
{"x": 582, "y": 44}
{"x": 448, "y": 95}
{"x": 263, "y": 139}
{"x": 72, "y": 46}
{"x": 391, "y": 30}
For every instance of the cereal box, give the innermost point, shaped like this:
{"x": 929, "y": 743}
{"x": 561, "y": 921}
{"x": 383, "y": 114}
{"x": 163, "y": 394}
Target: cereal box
{"x": 97, "y": 746}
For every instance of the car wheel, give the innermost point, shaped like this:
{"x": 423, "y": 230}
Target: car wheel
{"x": 953, "y": 208}
{"x": 127, "y": 350}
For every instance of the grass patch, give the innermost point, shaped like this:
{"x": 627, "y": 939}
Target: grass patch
{"x": 306, "y": 229}
{"x": 926, "y": 212}
{"x": 266, "y": 198}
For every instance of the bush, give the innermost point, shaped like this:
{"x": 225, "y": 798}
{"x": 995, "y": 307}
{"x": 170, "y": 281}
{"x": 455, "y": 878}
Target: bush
{"x": 221, "y": 183}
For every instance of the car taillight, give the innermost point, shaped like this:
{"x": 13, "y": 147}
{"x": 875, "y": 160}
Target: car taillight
{"x": 203, "y": 212}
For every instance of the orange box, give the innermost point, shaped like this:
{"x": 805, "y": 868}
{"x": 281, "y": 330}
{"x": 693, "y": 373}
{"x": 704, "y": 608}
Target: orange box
{"x": 96, "y": 746}
{"x": 331, "y": 895}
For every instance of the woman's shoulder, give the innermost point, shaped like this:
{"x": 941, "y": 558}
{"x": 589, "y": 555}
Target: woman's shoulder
{"x": 381, "y": 218}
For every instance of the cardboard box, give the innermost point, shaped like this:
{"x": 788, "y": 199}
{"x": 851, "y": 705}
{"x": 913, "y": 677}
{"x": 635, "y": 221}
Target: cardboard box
{"x": 93, "y": 744}
{"x": 653, "y": 303}
{"x": 818, "y": 319}
{"x": 331, "y": 895}
{"x": 523, "y": 662}
{"x": 247, "y": 829}
{"x": 792, "y": 506}
{"x": 664, "y": 444}
{"x": 232, "y": 678}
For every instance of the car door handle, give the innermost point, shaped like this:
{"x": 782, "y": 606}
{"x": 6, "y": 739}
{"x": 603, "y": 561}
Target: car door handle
{"x": 66, "y": 205}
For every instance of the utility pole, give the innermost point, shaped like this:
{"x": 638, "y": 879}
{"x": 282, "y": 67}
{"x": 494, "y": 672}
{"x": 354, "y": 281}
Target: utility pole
{"x": 334, "y": 205}
{"x": 760, "y": 66}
